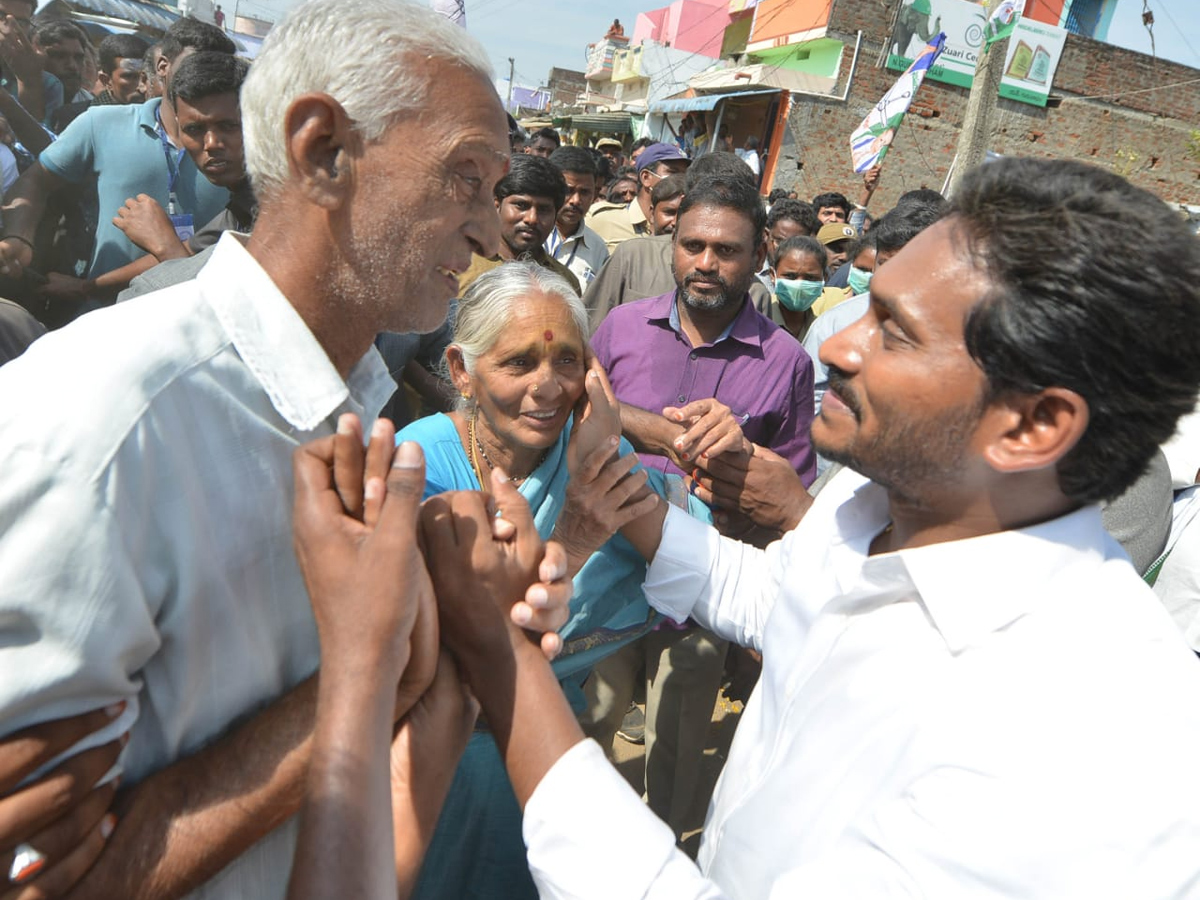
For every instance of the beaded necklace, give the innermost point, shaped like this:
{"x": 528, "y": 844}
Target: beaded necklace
{"x": 477, "y": 444}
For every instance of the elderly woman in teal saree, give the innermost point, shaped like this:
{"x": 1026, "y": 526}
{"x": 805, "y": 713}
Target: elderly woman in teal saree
{"x": 519, "y": 361}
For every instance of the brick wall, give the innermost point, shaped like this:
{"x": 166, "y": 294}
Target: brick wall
{"x": 1142, "y": 134}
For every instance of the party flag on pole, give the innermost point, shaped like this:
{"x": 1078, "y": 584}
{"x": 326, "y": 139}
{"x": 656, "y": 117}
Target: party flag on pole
{"x": 1002, "y": 18}
{"x": 870, "y": 141}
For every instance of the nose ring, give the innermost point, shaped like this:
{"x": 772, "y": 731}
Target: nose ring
{"x": 535, "y": 389}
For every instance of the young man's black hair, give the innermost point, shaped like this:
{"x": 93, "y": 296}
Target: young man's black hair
{"x": 188, "y": 33}
{"x": 1067, "y": 309}
{"x": 604, "y": 168}
{"x": 719, "y": 164}
{"x": 806, "y": 244}
{"x": 205, "y": 74}
{"x": 796, "y": 210}
{"x": 47, "y": 34}
{"x": 727, "y": 193}
{"x": 902, "y": 224}
{"x": 926, "y": 196}
{"x": 549, "y": 134}
{"x": 119, "y": 46}
{"x": 534, "y": 177}
{"x": 576, "y": 160}
{"x": 668, "y": 188}
{"x": 831, "y": 198}
{"x": 640, "y": 143}
{"x": 776, "y": 195}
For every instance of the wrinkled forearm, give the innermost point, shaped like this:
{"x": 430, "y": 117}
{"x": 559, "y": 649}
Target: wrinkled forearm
{"x": 648, "y": 432}
{"x": 184, "y": 824}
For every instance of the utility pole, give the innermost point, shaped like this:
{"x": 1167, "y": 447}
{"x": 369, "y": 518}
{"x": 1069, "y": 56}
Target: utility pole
{"x": 511, "y": 68}
{"x": 977, "y": 123}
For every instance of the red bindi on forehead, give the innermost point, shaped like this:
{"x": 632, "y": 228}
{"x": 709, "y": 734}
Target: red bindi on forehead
{"x": 548, "y": 335}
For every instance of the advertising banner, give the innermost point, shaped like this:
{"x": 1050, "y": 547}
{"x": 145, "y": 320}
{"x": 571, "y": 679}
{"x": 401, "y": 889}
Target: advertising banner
{"x": 1033, "y": 50}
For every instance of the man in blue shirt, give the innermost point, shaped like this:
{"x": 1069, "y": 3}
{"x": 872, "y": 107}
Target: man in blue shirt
{"x": 125, "y": 151}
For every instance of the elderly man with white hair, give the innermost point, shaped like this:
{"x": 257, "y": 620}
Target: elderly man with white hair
{"x": 147, "y": 556}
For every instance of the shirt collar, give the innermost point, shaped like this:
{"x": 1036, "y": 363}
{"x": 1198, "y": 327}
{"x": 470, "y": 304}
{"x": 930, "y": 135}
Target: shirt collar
{"x": 636, "y": 216}
{"x": 556, "y": 240}
{"x": 1042, "y": 553}
{"x": 967, "y": 586}
{"x": 147, "y": 115}
{"x": 276, "y": 345}
{"x": 538, "y": 255}
{"x": 745, "y": 327}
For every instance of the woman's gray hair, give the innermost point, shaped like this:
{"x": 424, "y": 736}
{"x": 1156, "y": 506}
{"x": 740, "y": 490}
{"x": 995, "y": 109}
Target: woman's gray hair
{"x": 486, "y": 308}
{"x": 372, "y": 56}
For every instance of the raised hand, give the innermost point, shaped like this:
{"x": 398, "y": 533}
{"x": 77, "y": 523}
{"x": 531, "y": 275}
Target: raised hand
{"x": 603, "y": 496}
{"x": 478, "y": 577}
{"x": 367, "y": 583}
{"x": 759, "y": 484}
{"x": 710, "y": 428}
{"x": 18, "y": 51}
{"x": 597, "y": 418}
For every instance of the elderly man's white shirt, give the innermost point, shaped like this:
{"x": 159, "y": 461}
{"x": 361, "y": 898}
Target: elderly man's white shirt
{"x": 146, "y": 512}
{"x": 1008, "y": 716}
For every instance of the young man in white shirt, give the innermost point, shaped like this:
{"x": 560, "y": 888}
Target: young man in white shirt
{"x": 967, "y": 690}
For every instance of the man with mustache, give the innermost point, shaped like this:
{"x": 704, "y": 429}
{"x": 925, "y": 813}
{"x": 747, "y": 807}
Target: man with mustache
{"x": 528, "y": 199}
{"x": 967, "y": 690}
{"x": 616, "y": 222}
{"x": 204, "y": 96}
{"x": 699, "y": 371}
{"x": 571, "y": 242}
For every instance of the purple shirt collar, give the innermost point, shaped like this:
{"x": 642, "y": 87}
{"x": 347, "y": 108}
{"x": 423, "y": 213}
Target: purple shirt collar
{"x": 744, "y": 328}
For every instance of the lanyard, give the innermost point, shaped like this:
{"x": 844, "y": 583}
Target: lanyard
{"x": 556, "y": 241}
{"x": 174, "y": 161}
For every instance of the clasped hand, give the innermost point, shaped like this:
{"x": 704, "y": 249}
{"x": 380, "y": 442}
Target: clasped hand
{"x": 356, "y": 529}
{"x": 710, "y": 428}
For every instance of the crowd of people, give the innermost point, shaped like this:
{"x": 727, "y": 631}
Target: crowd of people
{"x": 367, "y": 458}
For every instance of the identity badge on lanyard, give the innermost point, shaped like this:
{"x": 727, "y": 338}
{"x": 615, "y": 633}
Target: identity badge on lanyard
{"x": 182, "y": 222}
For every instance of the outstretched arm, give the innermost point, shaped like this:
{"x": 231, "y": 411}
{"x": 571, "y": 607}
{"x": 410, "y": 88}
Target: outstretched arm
{"x": 534, "y": 728}
{"x": 366, "y": 585}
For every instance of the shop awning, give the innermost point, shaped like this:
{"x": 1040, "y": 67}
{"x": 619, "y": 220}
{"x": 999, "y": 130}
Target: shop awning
{"x": 150, "y": 15}
{"x": 608, "y": 123}
{"x": 704, "y": 102}
{"x": 759, "y": 76}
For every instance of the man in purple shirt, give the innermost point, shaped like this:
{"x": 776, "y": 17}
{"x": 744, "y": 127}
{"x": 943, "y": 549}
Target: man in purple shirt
{"x": 705, "y": 341}
{"x": 697, "y": 370}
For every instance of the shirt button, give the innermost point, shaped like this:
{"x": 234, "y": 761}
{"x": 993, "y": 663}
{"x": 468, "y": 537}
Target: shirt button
{"x": 692, "y": 355}
{"x": 682, "y": 399}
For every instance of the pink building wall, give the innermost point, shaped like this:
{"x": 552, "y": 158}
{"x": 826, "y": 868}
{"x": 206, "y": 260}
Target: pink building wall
{"x": 694, "y": 26}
